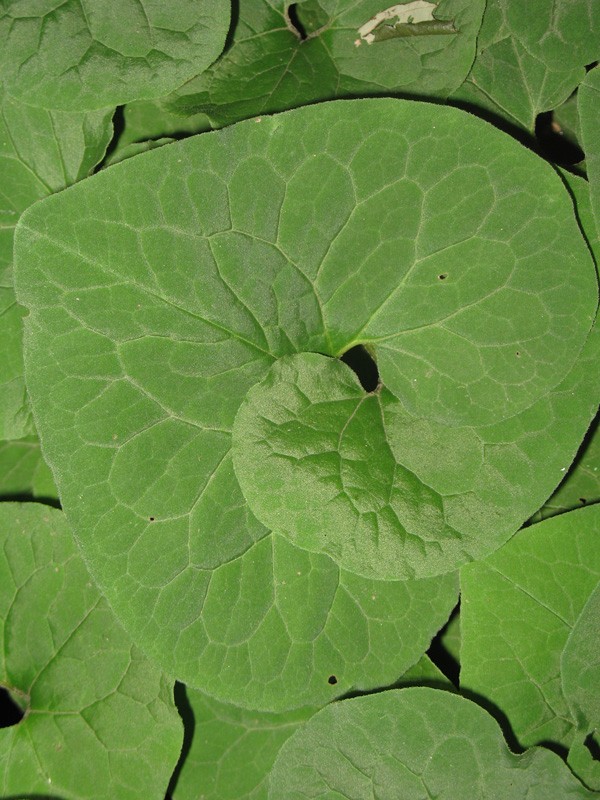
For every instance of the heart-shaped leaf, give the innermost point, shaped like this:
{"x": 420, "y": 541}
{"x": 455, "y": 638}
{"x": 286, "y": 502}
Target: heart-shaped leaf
{"x": 165, "y": 287}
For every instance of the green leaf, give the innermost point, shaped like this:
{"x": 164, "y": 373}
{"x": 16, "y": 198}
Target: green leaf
{"x": 100, "y": 721}
{"x": 161, "y": 309}
{"x": 270, "y": 66}
{"x": 23, "y": 471}
{"x": 232, "y": 750}
{"x": 580, "y": 674}
{"x": 518, "y": 608}
{"x": 116, "y": 52}
{"x": 411, "y": 744}
{"x": 40, "y": 152}
{"x": 531, "y": 56}
{"x": 353, "y": 500}
{"x": 589, "y": 117}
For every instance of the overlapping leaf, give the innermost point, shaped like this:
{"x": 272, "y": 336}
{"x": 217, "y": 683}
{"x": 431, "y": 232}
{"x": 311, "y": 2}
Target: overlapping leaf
{"x": 519, "y": 608}
{"x": 165, "y": 287}
{"x": 272, "y": 66}
{"x": 40, "y": 153}
{"x": 231, "y": 750}
{"x": 413, "y": 743}
{"x": 100, "y": 721}
{"x": 531, "y": 57}
{"x": 84, "y": 55}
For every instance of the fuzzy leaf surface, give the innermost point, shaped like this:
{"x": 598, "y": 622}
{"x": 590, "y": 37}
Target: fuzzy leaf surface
{"x": 131, "y": 50}
{"x": 165, "y": 287}
{"x": 413, "y": 743}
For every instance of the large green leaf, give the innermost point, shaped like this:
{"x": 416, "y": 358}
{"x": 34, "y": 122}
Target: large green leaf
{"x": 580, "y": 675}
{"x": 40, "y": 153}
{"x": 518, "y": 609}
{"x": 84, "y": 54}
{"x": 589, "y": 117}
{"x": 531, "y": 56}
{"x": 100, "y": 721}
{"x": 270, "y": 66}
{"x": 412, "y": 744}
{"x": 165, "y": 287}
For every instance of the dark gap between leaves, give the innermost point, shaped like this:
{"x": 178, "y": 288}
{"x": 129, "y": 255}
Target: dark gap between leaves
{"x": 10, "y": 713}
{"x": 554, "y": 146}
{"x": 293, "y": 19}
{"x": 362, "y": 363}
{"x": 593, "y": 745}
{"x": 189, "y": 724}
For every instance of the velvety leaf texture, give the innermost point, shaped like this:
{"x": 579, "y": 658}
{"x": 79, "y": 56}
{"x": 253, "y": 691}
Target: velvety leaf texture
{"x": 116, "y": 52}
{"x": 100, "y": 721}
{"x": 166, "y": 287}
{"x": 518, "y": 610}
{"x": 272, "y": 65}
{"x": 412, "y": 744}
{"x": 531, "y": 57}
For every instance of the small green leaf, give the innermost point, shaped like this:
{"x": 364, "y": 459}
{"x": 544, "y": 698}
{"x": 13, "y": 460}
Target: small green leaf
{"x": 116, "y": 52}
{"x": 413, "y": 743}
{"x": 518, "y": 609}
{"x": 314, "y": 461}
{"x": 100, "y": 721}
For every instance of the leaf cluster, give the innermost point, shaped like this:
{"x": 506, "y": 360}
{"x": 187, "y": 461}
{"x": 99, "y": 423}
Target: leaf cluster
{"x": 298, "y": 447}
